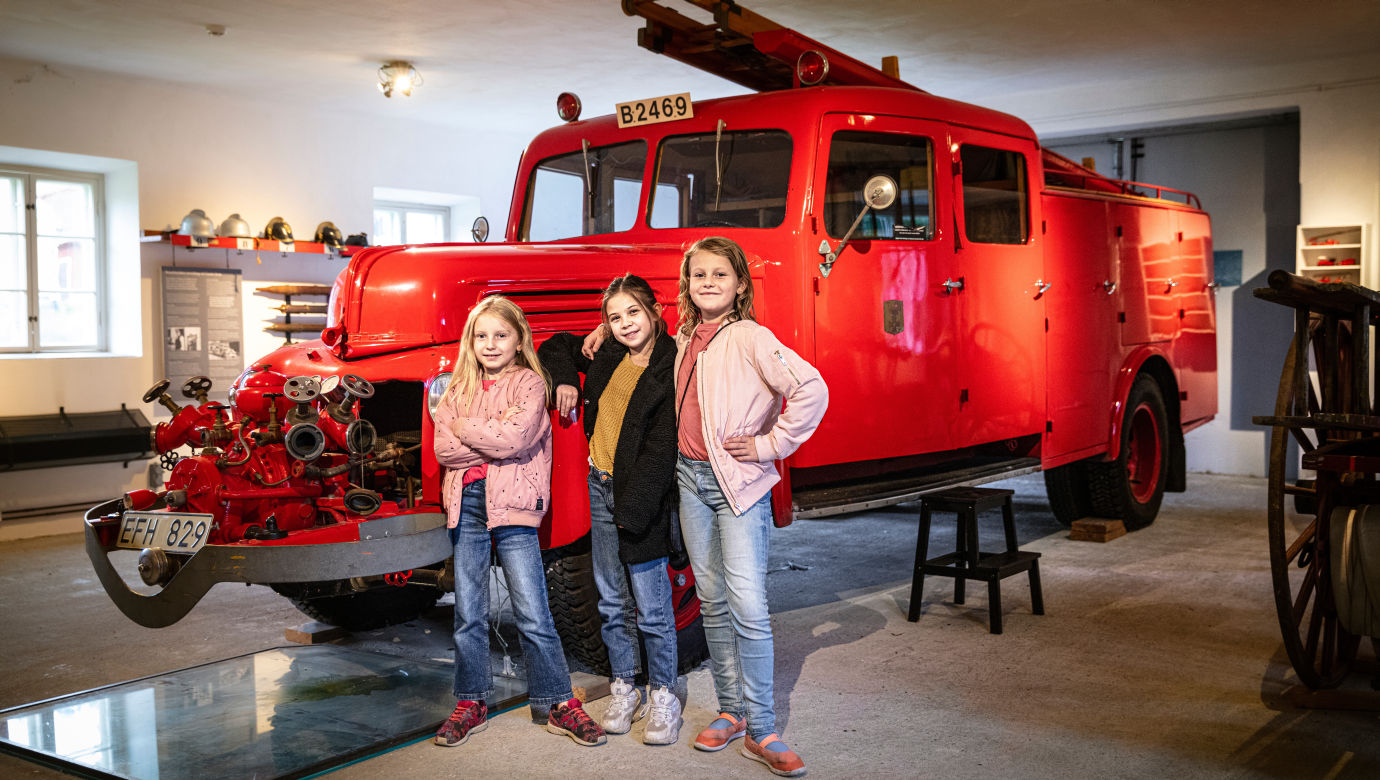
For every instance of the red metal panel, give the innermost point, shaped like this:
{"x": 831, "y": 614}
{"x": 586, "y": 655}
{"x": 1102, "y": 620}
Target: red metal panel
{"x": 1195, "y": 352}
{"x": 1083, "y": 348}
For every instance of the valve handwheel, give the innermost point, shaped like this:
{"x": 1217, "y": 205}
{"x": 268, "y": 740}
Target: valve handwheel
{"x": 357, "y": 386}
{"x": 302, "y": 389}
{"x": 157, "y": 390}
{"x": 169, "y": 459}
{"x": 197, "y": 387}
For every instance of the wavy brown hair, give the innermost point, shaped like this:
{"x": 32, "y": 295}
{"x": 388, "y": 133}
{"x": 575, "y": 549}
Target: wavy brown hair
{"x": 728, "y": 249}
{"x": 641, "y": 291}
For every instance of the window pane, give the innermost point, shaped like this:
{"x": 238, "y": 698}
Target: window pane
{"x": 11, "y": 205}
{"x": 14, "y": 272}
{"x": 67, "y": 319}
{"x": 561, "y": 205}
{"x": 66, "y": 264}
{"x": 748, "y": 191}
{"x": 387, "y": 227}
{"x": 14, "y": 316}
{"x": 994, "y": 197}
{"x": 854, "y": 158}
{"x": 65, "y": 208}
{"x": 425, "y": 227}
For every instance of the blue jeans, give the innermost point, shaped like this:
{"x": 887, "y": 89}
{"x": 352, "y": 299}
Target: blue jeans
{"x": 548, "y": 678}
{"x": 729, "y": 557}
{"x": 646, "y": 605}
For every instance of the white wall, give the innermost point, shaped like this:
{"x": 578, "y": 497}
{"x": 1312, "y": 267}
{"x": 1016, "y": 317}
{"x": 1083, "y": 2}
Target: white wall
{"x": 194, "y": 149}
{"x": 1339, "y": 171}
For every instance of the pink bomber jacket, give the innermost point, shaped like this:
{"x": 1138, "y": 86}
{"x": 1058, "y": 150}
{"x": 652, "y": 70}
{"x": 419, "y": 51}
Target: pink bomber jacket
{"x": 742, "y": 377}
{"x": 518, "y": 486}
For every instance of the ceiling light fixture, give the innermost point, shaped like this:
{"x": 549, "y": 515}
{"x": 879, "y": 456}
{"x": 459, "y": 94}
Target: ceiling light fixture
{"x": 398, "y": 76}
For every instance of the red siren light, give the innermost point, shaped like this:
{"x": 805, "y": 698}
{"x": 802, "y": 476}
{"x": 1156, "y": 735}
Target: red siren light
{"x": 812, "y": 67}
{"x": 568, "y": 106}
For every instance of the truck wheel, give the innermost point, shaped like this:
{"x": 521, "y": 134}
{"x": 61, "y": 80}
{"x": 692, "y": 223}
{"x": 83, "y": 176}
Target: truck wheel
{"x": 1067, "y": 488}
{"x": 363, "y": 611}
{"x": 1132, "y": 486}
{"x": 574, "y": 601}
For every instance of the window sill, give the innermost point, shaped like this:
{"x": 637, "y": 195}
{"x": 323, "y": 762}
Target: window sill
{"x": 63, "y": 355}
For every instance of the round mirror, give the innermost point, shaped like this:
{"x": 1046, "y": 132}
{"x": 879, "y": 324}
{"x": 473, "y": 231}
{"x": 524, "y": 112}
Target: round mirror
{"x": 480, "y": 229}
{"x": 879, "y": 192}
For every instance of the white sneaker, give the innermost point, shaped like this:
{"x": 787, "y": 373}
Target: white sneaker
{"x": 623, "y": 710}
{"x": 664, "y": 727}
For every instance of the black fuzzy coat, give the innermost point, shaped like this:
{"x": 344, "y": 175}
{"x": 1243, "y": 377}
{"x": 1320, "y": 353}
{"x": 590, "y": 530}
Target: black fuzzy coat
{"x": 644, "y": 463}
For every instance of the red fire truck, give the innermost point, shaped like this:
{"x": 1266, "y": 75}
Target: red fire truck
{"x": 979, "y": 306}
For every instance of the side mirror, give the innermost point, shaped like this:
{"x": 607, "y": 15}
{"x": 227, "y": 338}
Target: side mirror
{"x": 480, "y": 229}
{"x": 878, "y": 193}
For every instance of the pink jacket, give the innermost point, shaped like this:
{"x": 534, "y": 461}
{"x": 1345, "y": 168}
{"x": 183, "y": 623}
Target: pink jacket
{"x": 518, "y": 487}
{"x": 741, "y": 378}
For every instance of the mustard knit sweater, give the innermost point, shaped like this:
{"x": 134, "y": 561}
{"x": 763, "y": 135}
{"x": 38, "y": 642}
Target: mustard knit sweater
{"x": 612, "y": 406}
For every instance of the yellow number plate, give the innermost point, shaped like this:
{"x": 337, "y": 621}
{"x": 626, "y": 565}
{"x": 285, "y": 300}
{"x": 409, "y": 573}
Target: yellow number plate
{"x": 181, "y": 532}
{"x": 668, "y": 108}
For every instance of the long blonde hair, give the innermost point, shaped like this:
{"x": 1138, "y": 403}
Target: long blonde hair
{"x": 728, "y": 249}
{"x": 468, "y": 373}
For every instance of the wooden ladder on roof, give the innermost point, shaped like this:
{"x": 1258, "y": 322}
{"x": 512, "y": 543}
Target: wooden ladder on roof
{"x": 747, "y": 48}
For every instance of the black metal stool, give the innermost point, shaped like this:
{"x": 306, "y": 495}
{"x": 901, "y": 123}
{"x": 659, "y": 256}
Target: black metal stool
{"x": 966, "y": 561}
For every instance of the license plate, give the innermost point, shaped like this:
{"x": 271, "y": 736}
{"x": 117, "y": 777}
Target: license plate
{"x": 175, "y": 532}
{"x": 667, "y": 108}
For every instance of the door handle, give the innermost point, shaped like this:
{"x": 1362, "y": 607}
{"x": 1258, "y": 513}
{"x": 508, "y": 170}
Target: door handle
{"x": 1109, "y": 286}
{"x": 1041, "y": 286}
{"x": 951, "y": 286}
{"x": 1171, "y": 285}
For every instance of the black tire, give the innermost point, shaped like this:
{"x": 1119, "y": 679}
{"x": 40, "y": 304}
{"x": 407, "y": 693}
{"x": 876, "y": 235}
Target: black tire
{"x": 1131, "y": 487}
{"x": 574, "y": 601}
{"x": 363, "y": 611}
{"x": 1067, "y": 488}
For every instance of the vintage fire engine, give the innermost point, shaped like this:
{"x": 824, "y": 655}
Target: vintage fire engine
{"x": 979, "y": 306}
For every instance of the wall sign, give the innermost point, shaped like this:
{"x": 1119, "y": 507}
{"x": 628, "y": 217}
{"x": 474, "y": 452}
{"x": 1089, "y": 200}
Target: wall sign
{"x": 203, "y": 326}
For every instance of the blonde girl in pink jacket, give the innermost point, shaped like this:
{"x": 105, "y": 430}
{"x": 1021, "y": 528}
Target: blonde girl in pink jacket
{"x": 493, "y": 436}
{"x": 731, "y": 376}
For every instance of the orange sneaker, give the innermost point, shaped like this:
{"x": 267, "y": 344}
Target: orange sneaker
{"x": 785, "y": 763}
{"x": 712, "y": 739}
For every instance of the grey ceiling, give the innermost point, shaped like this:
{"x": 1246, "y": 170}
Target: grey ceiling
{"x": 501, "y": 64}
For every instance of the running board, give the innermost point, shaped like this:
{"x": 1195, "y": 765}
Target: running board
{"x": 856, "y": 496}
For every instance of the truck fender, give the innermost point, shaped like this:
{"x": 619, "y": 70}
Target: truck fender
{"x": 1149, "y": 359}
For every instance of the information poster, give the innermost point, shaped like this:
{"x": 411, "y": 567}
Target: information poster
{"x": 203, "y": 327}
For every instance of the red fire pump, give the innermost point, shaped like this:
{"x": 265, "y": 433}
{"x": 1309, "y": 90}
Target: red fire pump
{"x": 289, "y": 466}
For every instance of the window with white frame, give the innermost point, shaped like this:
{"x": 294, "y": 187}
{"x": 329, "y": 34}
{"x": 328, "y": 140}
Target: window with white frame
{"x": 410, "y": 223}
{"x": 52, "y": 261}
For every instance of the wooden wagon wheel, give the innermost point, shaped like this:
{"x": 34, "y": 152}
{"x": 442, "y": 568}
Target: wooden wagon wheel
{"x": 1320, "y": 650}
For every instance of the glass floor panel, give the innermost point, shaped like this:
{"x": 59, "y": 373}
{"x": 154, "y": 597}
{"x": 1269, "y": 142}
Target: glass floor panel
{"x": 286, "y": 712}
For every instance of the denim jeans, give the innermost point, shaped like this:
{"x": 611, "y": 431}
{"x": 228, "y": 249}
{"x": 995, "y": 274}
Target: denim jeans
{"x": 548, "y": 677}
{"x": 729, "y": 557}
{"x": 624, "y": 610}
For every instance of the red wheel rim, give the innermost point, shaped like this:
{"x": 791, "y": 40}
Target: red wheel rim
{"x": 1143, "y": 456}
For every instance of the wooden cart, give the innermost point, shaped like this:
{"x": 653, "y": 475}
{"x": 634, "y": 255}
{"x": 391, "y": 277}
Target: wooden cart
{"x": 1325, "y": 404}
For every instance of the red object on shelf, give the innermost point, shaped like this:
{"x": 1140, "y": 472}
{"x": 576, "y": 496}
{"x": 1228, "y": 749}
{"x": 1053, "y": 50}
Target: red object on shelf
{"x": 258, "y": 244}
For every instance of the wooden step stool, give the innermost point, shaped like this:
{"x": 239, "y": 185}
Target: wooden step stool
{"x": 966, "y": 561}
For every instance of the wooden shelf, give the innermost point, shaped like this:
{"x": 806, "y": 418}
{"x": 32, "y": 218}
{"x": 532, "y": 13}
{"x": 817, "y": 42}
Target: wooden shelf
{"x": 1349, "y": 256}
{"x": 249, "y": 244}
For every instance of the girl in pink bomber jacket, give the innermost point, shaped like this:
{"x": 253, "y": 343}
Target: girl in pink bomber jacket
{"x": 493, "y": 436}
{"x": 731, "y": 377}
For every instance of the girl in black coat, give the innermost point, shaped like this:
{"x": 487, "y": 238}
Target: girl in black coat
{"x": 630, "y": 420}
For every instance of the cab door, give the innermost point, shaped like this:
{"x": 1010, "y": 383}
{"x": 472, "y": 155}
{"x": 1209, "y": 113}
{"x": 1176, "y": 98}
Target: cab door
{"x": 884, "y": 332}
{"x": 1001, "y": 320}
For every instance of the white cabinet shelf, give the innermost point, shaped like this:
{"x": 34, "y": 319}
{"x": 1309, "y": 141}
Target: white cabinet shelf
{"x": 1335, "y": 253}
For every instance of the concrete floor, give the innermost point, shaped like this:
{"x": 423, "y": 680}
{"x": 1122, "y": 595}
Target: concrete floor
{"x": 1159, "y": 656}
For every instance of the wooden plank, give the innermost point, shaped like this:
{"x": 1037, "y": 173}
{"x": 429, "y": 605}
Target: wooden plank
{"x": 1096, "y": 529}
{"x": 314, "y": 633}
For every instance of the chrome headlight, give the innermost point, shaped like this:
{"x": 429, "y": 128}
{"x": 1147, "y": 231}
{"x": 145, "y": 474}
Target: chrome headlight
{"x": 435, "y": 390}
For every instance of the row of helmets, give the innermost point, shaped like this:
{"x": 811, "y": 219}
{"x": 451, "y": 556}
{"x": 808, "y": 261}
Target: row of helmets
{"x": 199, "y": 226}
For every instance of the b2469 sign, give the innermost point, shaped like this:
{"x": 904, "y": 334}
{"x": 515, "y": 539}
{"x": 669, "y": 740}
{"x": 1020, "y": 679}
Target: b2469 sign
{"x": 667, "y": 108}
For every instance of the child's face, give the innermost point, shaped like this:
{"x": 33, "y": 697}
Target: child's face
{"x": 714, "y": 287}
{"x": 630, "y": 322}
{"x": 495, "y": 344}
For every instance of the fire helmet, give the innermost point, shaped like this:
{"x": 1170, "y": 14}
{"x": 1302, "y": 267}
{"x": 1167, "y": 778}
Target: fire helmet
{"x": 235, "y": 227}
{"x": 278, "y": 229}
{"x": 197, "y": 225}
{"x": 327, "y": 233}
{"x": 357, "y": 239}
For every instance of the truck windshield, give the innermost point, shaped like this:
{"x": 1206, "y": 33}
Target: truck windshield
{"x": 736, "y": 179}
{"x": 585, "y": 192}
